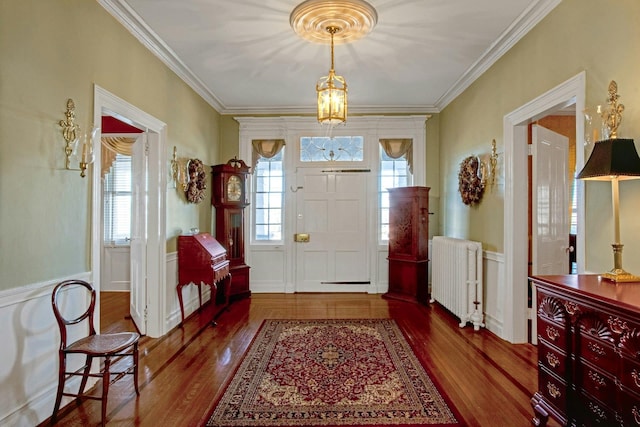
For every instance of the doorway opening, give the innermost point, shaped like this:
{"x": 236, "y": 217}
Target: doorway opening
{"x": 516, "y": 254}
{"x": 118, "y": 276}
{"x": 147, "y": 302}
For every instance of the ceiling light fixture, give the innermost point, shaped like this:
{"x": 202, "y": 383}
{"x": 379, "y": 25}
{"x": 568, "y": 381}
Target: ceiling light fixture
{"x": 339, "y": 21}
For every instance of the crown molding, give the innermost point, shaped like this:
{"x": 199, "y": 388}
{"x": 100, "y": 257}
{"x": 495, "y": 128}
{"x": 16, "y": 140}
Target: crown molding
{"x": 516, "y": 31}
{"x": 306, "y": 110}
{"x": 133, "y": 22}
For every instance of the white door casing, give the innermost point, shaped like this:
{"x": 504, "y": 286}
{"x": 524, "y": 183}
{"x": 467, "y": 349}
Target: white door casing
{"x": 138, "y": 242}
{"x": 331, "y": 209}
{"x": 550, "y": 206}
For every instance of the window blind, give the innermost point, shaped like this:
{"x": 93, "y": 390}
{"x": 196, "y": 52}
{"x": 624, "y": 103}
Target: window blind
{"x": 117, "y": 202}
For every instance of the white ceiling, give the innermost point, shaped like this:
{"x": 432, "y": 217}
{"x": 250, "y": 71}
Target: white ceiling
{"x": 243, "y": 57}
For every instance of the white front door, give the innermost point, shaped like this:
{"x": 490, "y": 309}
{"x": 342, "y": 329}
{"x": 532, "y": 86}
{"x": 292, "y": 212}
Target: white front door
{"x": 331, "y": 210}
{"x": 138, "y": 296}
{"x": 550, "y": 205}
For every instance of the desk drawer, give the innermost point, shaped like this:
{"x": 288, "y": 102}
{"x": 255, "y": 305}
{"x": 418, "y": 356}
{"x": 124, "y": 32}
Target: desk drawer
{"x": 552, "y": 333}
{"x": 629, "y": 407}
{"x": 630, "y": 376}
{"x": 553, "y": 389}
{"x": 598, "y": 352}
{"x": 552, "y": 358}
{"x": 599, "y": 384}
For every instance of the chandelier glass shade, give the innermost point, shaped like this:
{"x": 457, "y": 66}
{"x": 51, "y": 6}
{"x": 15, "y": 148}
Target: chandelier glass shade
{"x": 332, "y": 93}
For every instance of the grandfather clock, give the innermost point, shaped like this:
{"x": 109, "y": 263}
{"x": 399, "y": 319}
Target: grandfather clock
{"x": 408, "y": 244}
{"x": 229, "y": 197}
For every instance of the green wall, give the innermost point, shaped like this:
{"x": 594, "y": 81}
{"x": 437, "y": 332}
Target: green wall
{"x": 51, "y": 51}
{"x": 599, "y": 37}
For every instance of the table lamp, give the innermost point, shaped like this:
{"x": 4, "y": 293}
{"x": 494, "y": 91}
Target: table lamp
{"x": 613, "y": 159}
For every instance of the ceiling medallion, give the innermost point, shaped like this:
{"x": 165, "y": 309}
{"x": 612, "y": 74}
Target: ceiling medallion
{"x": 311, "y": 18}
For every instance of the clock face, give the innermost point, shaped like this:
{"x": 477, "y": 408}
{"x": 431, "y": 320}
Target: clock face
{"x": 234, "y": 189}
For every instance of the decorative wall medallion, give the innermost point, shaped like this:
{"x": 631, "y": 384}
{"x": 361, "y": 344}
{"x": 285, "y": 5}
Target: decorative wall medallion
{"x": 470, "y": 181}
{"x": 197, "y": 181}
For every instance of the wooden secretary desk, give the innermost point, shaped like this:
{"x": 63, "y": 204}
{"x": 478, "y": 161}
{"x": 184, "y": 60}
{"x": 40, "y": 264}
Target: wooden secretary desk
{"x": 201, "y": 259}
{"x": 588, "y": 351}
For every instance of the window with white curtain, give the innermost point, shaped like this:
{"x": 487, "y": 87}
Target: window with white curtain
{"x": 117, "y": 202}
{"x": 393, "y": 173}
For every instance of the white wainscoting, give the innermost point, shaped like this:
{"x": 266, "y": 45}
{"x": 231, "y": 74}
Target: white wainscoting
{"x": 116, "y": 268}
{"x": 268, "y": 267}
{"x": 189, "y": 294}
{"x": 30, "y": 341}
{"x": 494, "y": 285}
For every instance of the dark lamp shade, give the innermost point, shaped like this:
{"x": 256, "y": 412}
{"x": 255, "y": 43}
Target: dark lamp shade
{"x": 612, "y": 158}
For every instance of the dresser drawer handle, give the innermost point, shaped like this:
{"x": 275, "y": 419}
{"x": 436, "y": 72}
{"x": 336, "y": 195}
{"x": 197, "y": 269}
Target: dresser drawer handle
{"x": 571, "y": 307}
{"x": 553, "y": 360}
{"x": 595, "y": 348}
{"x": 636, "y": 377}
{"x": 597, "y": 410}
{"x": 600, "y": 382}
{"x": 552, "y": 333}
{"x": 636, "y": 415}
{"x": 554, "y": 391}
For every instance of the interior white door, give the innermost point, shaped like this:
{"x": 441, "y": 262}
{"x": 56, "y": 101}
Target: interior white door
{"x": 139, "y": 185}
{"x": 331, "y": 210}
{"x": 550, "y": 205}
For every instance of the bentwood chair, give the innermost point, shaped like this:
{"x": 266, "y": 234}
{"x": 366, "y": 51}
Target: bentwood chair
{"x": 103, "y": 346}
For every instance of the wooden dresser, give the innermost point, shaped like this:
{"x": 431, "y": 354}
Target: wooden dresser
{"x": 408, "y": 244}
{"x": 588, "y": 351}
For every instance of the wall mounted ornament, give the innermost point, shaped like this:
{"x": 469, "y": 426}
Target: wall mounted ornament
{"x": 197, "y": 183}
{"x": 74, "y": 137}
{"x": 470, "y": 182}
{"x": 179, "y": 171}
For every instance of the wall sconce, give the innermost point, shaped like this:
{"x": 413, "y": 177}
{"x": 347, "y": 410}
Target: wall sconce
{"x": 179, "y": 171}
{"x": 493, "y": 162}
{"x": 73, "y": 137}
{"x": 488, "y": 169}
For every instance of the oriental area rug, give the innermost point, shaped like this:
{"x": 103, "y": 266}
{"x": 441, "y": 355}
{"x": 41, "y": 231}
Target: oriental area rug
{"x": 358, "y": 372}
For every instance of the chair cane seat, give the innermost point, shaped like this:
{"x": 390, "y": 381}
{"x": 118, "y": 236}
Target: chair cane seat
{"x": 104, "y": 344}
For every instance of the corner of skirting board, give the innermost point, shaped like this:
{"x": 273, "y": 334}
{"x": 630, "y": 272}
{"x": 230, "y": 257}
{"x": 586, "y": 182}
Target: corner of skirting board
{"x": 493, "y": 325}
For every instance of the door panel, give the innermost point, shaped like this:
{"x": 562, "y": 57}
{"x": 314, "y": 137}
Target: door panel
{"x": 331, "y": 208}
{"x": 550, "y": 206}
{"x": 138, "y": 296}
{"x": 550, "y": 202}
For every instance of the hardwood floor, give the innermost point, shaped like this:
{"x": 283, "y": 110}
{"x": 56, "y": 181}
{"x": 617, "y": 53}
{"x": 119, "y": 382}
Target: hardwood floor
{"x": 488, "y": 380}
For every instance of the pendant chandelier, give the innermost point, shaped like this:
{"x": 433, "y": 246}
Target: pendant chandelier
{"x": 339, "y": 21}
{"x": 332, "y": 93}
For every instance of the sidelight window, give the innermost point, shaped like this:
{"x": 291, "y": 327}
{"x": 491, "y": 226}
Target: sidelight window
{"x": 395, "y": 171}
{"x": 269, "y": 198}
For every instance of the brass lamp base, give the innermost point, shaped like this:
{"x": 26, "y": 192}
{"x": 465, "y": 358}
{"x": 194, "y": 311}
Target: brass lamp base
{"x": 618, "y": 275}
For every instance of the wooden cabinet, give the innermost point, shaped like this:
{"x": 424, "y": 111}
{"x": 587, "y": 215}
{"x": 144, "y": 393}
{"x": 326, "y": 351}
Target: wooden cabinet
{"x": 229, "y": 197}
{"x": 588, "y": 351}
{"x": 408, "y": 244}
